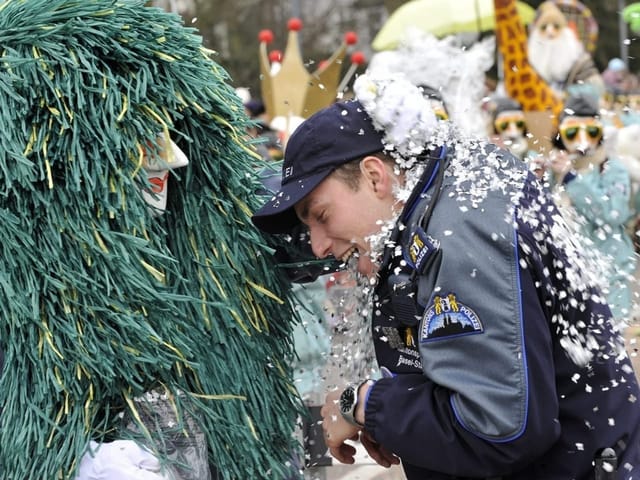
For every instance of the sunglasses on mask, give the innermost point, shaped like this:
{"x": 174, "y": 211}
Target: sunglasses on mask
{"x": 441, "y": 114}
{"x": 502, "y": 124}
{"x": 570, "y": 132}
{"x": 439, "y": 111}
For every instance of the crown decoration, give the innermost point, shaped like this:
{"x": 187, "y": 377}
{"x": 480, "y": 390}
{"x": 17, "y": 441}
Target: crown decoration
{"x": 288, "y": 89}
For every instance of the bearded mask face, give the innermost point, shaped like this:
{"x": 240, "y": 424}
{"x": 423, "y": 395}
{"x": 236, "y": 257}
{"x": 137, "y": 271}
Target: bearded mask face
{"x": 167, "y": 157}
{"x": 549, "y": 27}
{"x": 552, "y": 53}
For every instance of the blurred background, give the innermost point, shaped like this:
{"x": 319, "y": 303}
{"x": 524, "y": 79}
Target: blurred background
{"x": 231, "y": 27}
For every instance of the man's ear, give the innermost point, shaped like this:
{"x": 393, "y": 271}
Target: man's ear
{"x": 376, "y": 175}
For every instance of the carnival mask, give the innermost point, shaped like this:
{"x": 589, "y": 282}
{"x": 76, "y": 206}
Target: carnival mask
{"x": 157, "y": 168}
{"x": 511, "y": 126}
{"x": 581, "y": 134}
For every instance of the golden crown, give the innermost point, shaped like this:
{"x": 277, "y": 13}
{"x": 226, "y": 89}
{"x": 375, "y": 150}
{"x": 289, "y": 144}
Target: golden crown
{"x": 288, "y": 89}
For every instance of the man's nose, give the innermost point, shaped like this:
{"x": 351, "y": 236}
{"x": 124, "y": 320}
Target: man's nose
{"x": 320, "y": 243}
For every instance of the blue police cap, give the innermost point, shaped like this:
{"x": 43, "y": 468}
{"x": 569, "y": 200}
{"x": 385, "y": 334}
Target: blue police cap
{"x": 331, "y": 137}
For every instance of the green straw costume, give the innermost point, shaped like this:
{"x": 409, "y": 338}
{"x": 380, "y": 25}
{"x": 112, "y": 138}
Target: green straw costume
{"x": 103, "y": 300}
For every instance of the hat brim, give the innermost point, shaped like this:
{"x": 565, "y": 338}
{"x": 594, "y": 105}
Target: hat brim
{"x": 278, "y": 214}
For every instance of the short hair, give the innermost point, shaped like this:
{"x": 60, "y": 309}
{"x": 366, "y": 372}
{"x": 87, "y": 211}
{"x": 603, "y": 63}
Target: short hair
{"x": 350, "y": 173}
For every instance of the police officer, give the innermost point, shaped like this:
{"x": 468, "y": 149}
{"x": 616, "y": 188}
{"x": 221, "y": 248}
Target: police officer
{"x": 499, "y": 358}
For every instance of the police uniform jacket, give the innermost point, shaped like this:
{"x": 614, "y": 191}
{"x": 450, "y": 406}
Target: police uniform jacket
{"x": 500, "y": 356}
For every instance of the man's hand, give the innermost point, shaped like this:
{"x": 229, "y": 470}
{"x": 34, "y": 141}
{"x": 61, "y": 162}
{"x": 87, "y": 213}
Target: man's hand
{"x": 377, "y": 452}
{"x": 337, "y": 430}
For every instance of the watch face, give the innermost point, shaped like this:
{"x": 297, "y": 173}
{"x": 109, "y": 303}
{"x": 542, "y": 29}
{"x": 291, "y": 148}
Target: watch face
{"x": 347, "y": 399}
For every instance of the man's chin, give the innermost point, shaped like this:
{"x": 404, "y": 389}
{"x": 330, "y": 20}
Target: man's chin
{"x": 365, "y": 266}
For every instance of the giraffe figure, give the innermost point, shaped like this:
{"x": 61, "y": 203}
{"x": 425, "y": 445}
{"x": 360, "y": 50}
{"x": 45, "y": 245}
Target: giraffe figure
{"x": 521, "y": 81}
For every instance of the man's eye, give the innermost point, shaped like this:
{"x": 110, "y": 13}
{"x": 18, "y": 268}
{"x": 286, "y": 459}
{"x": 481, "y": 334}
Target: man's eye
{"x": 321, "y": 217}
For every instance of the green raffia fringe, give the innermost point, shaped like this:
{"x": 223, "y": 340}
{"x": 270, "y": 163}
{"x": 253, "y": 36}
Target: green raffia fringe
{"x": 101, "y": 300}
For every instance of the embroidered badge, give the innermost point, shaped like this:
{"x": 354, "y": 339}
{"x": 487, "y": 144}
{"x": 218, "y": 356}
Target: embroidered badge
{"x": 421, "y": 248}
{"x": 288, "y": 172}
{"x": 447, "y": 317}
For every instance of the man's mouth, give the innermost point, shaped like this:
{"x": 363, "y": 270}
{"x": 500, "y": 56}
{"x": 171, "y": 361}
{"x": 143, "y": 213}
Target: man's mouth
{"x": 351, "y": 253}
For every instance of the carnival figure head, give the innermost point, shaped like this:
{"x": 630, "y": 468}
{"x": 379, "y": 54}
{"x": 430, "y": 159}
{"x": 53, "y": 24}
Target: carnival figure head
{"x": 553, "y": 47}
{"x": 510, "y": 125}
{"x": 580, "y": 131}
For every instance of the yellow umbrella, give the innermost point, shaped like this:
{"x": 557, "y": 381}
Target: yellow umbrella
{"x": 441, "y": 18}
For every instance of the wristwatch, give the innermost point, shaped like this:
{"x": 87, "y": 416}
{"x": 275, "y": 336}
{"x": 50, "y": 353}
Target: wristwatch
{"x": 348, "y": 404}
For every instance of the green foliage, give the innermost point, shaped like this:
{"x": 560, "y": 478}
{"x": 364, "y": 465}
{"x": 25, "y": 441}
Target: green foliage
{"x": 101, "y": 299}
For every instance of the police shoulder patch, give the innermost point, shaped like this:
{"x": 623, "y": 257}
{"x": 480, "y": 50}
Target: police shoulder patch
{"x": 447, "y": 317}
{"x": 421, "y": 249}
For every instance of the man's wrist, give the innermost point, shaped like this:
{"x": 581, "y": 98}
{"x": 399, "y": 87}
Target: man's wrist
{"x": 363, "y": 394}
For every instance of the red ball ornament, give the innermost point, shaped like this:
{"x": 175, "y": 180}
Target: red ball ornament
{"x": 294, "y": 24}
{"x": 351, "y": 38}
{"x": 265, "y": 36}
{"x": 275, "y": 56}
{"x": 358, "y": 58}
